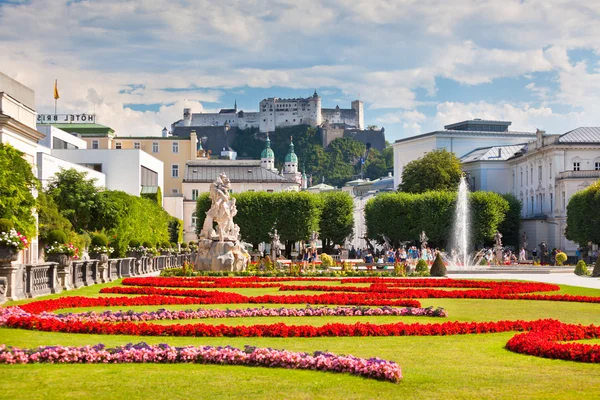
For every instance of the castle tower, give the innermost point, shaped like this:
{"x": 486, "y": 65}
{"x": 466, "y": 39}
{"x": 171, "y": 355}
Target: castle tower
{"x": 358, "y": 108}
{"x": 235, "y": 105}
{"x": 315, "y": 102}
{"x": 267, "y": 157}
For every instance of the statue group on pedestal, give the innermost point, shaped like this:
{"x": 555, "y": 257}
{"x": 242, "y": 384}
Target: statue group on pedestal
{"x": 220, "y": 249}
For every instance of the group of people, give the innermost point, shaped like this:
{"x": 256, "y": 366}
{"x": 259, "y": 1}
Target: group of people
{"x": 401, "y": 255}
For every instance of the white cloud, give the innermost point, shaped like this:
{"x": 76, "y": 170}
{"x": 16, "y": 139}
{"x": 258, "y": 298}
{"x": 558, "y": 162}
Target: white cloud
{"x": 391, "y": 52}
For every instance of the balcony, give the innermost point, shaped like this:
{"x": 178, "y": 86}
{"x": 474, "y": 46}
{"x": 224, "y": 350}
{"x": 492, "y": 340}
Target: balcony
{"x": 585, "y": 174}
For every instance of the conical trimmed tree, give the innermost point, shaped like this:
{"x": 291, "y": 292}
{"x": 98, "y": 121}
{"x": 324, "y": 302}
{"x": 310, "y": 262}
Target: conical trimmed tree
{"x": 438, "y": 268}
{"x": 596, "y": 272}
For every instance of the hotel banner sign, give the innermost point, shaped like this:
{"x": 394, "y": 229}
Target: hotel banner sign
{"x": 66, "y": 118}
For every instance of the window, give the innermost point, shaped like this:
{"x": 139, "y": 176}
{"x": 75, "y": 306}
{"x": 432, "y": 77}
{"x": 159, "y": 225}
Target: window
{"x": 194, "y": 194}
{"x": 95, "y": 144}
{"x": 532, "y": 206}
{"x": 550, "y": 171}
{"x": 564, "y": 200}
{"x": 521, "y": 177}
{"x": 194, "y": 219}
{"x": 149, "y": 177}
{"x": 175, "y": 171}
{"x": 136, "y": 145}
{"x": 61, "y": 144}
{"x": 576, "y": 166}
{"x": 175, "y": 147}
{"x": 155, "y": 147}
{"x": 175, "y": 191}
{"x": 597, "y": 166}
{"x": 539, "y": 173}
{"x": 551, "y": 202}
{"x": 118, "y": 145}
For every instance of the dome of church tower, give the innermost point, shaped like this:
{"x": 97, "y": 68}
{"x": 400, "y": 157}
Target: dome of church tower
{"x": 267, "y": 152}
{"x": 291, "y": 156}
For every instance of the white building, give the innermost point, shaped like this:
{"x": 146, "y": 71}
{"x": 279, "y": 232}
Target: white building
{"x": 125, "y": 170}
{"x": 48, "y": 165}
{"x": 543, "y": 174}
{"x": 275, "y": 112}
{"x": 459, "y": 138}
{"x": 546, "y": 173}
{"x": 17, "y": 128}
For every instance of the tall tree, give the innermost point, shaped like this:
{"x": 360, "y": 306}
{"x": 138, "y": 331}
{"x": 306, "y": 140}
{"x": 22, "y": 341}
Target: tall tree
{"x": 337, "y": 219}
{"x": 76, "y": 197}
{"x": 512, "y": 221}
{"x": 16, "y": 183}
{"x": 437, "y": 170}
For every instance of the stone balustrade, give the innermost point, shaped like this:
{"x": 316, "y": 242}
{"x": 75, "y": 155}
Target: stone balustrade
{"x": 19, "y": 281}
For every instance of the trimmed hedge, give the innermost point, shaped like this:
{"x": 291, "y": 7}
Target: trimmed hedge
{"x": 438, "y": 268}
{"x": 99, "y": 239}
{"x": 6, "y": 225}
{"x": 402, "y": 216}
{"x": 581, "y": 269}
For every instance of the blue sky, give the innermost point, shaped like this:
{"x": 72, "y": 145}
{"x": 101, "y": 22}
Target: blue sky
{"x": 417, "y": 64}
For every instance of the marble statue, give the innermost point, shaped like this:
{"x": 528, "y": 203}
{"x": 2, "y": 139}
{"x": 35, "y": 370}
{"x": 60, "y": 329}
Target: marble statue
{"x": 220, "y": 249}
{"x": 275, "y": 246}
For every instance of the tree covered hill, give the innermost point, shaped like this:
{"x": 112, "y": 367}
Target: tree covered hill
{"x": 338, "y": 164}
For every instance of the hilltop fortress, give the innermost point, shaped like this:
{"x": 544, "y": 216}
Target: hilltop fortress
{"x": 275, "y": 112}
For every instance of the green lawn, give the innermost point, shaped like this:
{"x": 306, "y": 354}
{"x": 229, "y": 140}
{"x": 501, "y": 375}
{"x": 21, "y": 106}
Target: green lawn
{"x": 468, "y": 366}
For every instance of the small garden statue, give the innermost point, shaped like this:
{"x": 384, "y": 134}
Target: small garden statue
{"x": 423, "y": 239}
{"x": 275, "y": 246}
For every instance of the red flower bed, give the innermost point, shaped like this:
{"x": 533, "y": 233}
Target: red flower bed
{"x": 541, "y": 337}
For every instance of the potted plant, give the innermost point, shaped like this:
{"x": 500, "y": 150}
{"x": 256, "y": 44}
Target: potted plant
{"x": 135, "y": 249}
{"x": 165, "y": 249}
{"x": 58, "y": 250}
{"x": 99, "y": 248}
{"x": 11, "y": 242}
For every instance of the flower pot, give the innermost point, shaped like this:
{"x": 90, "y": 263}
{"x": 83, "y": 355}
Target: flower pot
{"x": 8, "y": 254}
{"x": 102, "y": 257}
{"x": 62, "y": 259}
{"x": 135, "y": 254}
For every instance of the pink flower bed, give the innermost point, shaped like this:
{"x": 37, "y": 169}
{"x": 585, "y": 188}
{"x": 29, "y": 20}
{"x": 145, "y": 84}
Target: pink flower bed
{"x": 373, "y": 368}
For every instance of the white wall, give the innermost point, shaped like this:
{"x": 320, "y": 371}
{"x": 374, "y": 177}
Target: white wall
{"x": 52, "y": 132}
{"x": 122, "y": 167}
{"x": 493, "y": 176}
{"x": 17, "y": 110}
{"x": 48, "y": 165}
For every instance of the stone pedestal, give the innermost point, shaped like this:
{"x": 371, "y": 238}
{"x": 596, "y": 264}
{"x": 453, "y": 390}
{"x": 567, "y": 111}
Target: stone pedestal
{"x": 63, "y": 269}
{"x": 11, "y": 275}
{"x": 221, "y": 256}
{"x": 102, "y": 273}
{"x": 137, "y": 267}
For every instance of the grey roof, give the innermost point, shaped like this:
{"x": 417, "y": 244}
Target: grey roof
{"x": 217, "y": 136}
{"x": 470, "y": 133}
{"x": 477, "y": 121}
{"x": 493, "y": 153}
{"x": 236, "y": 170}
{"x": 581, "y": 135}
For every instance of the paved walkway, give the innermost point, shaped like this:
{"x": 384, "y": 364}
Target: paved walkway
{"x": 557, "y": 278}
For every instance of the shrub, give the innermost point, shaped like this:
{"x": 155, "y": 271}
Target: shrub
{"x": 326, "y": 260}
{"x": 147, "y": 244}
{"x": 438, "y": 268}
{"x": 165, "y": 245}
{"x": 561, "y": 258}
{"x": 99, "y": 239}
{"x": 173, "y": 245}
{"x": 193, "y": 243}
{"x": 421, "y": 266}
{"x": 596, "y": 271}
{"x": 134, "y": 243}
{"x": 6, "y": 225}
{"x": 581, "y": 269}
{"x": 57, "y": 236}
{"x": 399, "y": 269}
{"x": 184, "y": 245}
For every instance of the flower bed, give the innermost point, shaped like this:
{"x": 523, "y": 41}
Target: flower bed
{"x": 373, "y": 368}
{"x": 204, "y": 313}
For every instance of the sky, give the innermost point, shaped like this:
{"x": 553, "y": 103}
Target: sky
{"x": 416, "y": 64}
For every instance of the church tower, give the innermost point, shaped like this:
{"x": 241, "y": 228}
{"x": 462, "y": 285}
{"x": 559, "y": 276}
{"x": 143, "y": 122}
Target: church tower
{"x": 290, "y": 165}
{"x": 267, "y": 157}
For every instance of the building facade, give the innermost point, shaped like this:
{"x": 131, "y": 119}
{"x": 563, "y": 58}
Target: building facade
{"x": 460, "y": 138}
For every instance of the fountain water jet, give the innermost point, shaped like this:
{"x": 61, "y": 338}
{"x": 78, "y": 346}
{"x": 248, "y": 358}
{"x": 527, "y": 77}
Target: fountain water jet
{"x": 460, "y": 254}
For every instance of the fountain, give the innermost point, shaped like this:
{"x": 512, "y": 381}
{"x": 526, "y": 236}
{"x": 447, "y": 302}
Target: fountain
{"x": 460, "y": 257}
